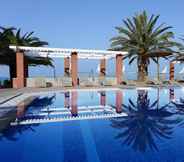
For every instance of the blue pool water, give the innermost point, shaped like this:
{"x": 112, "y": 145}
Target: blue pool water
{"x": 153, "y": 131}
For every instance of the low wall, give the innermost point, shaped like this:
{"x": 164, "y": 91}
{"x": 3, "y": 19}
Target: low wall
{"x": 67, "y": 81}
{"x": 43, "y": 82}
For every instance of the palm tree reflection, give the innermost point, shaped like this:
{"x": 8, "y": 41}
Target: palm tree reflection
{"x": 10, "y": 132}
{"x": 179, "y": 106}
{"x": 44, "y": 101}
{"x": 144, "y": 124}
{"x": 40, "y": 103}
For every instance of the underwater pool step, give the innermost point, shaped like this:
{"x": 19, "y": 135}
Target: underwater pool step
{"x": 70, "y": 118}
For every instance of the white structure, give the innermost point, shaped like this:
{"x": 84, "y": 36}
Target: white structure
{"x": 64, "y": 52}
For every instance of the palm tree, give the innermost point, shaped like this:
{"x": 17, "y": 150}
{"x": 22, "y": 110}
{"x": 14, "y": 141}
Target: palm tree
{"x": 180, "y": 55}
{"x": 144, "y": 124}
{"x": 11, "y": 36}
{"x": 144, "y": 40}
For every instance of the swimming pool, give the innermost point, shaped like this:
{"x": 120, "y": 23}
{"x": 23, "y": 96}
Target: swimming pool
{"x": 151, "y": 127}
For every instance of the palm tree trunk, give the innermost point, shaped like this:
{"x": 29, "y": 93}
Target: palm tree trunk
{"x": 158, "y": 98}
{"x": 158, "y": 69}
{"x": 142, "y": 72}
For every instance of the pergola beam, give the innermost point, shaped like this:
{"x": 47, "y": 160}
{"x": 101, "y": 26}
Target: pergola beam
{"x": 64, "y": 52}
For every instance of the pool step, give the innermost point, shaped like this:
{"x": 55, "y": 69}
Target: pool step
{"x": 70, "y": 118}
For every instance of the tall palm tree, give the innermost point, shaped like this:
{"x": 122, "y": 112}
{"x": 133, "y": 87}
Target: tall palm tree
{"x": 145, "y": 123}
{"x": 144, "y": 39}
{"x": 11, "y": 36}
{"x": 180, "y": 55}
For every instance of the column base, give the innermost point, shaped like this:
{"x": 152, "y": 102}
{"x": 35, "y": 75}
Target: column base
{"x": 19, "y": 82}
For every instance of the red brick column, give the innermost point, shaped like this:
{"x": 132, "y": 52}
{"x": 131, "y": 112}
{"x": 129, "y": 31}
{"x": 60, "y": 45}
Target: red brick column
{"x": 119, "y": 65}
{"x": 171, "y": 71}
{"x": 74, "y": 109}
{"x": 74, "y": 68}
{"x": 66, "y": 66}
{"x": 19, "y": 81}
{"x": 102, "y": 68}
{"x": 119, "y": 98}
{"x": 102, "y": 98}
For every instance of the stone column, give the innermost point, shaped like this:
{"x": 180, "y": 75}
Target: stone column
{"x": 74, "y": 69}
{"x": 67, "y": 66}
{"x": 119, "y": 98}
{"x": 171, "y": 71}
{"x": 19, "y": 81}
{"x": 119, "y": 65}
{"x": 74, "y": 109}
{"x": 102, "y": 98}
{"x": 102, "y": 67}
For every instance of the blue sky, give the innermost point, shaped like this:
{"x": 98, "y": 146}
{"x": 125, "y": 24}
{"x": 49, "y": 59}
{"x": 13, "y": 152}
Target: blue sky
{"x": 82, "y": 23}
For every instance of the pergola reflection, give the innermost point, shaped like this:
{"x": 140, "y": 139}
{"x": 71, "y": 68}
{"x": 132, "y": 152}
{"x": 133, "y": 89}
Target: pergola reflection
{"x": 43, "y": 111}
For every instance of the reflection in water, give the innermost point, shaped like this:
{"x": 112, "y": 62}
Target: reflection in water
{"x": 6, "y": 117}
{"x": 144, "y": 124}
{"x": 44, "y": 101}
{"x": 171, "y": 94}
{"x": 74, "y": 109}
{"x": 179, "y": 106}
{"x": 67, "y": 99}
{"x": 119, "y": 97}
{"x": 102, "y": 98}
{"x": 118, "y": 102}
{"x": 10, "y": 132}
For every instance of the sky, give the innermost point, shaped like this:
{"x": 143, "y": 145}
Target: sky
{"x": 85, "y": 24}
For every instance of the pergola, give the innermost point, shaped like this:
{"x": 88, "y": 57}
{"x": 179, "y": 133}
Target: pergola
{"x": 70, "y": 56}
